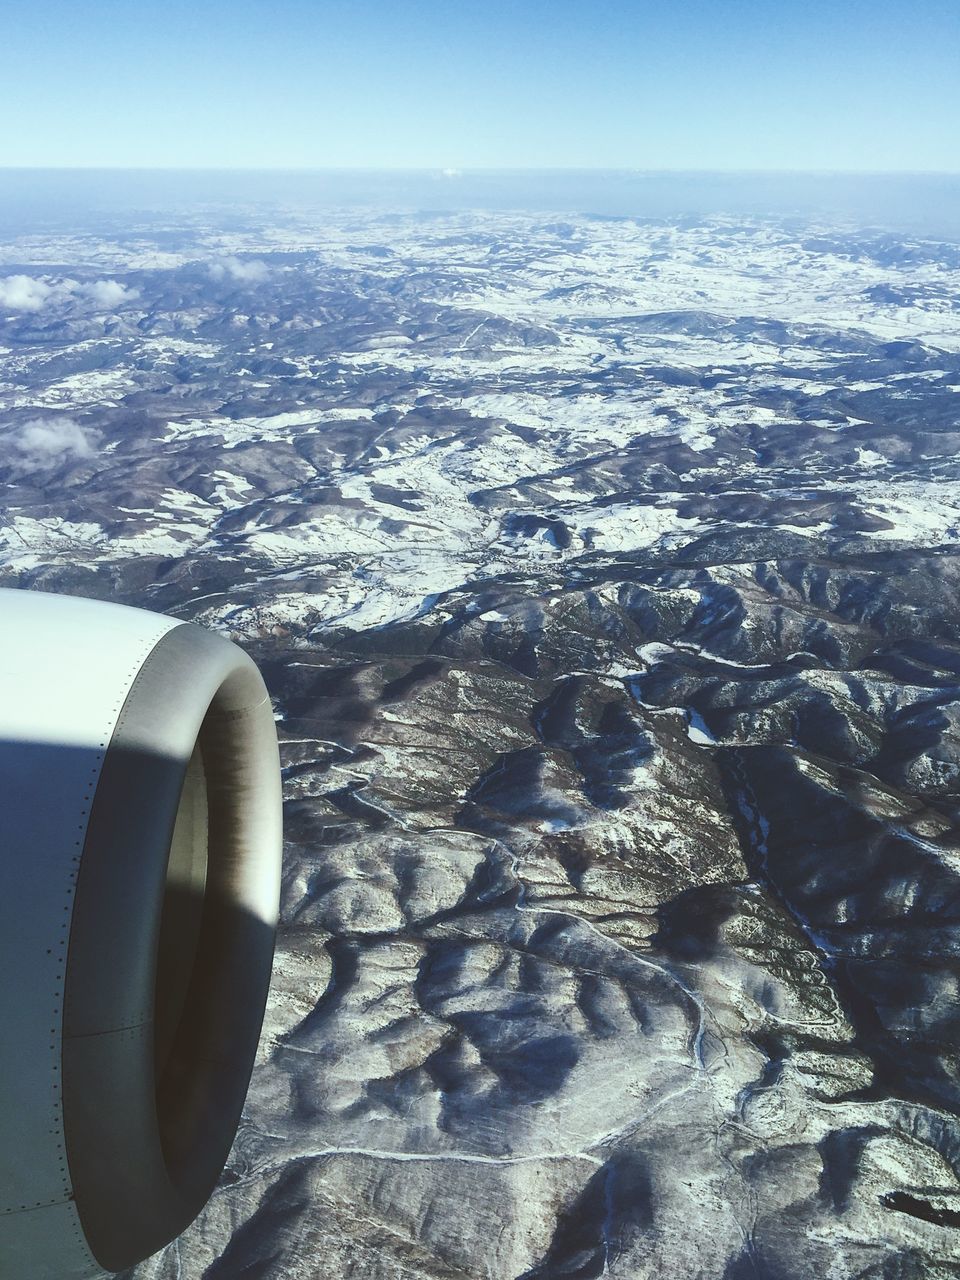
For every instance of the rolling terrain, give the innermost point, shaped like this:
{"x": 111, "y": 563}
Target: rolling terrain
{"x": 605, "y": 573}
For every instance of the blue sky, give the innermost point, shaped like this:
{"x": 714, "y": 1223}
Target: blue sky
{"x": 725, "y": 84}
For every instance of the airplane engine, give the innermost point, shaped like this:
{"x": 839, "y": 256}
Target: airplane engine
{"x": 140, "y": 838}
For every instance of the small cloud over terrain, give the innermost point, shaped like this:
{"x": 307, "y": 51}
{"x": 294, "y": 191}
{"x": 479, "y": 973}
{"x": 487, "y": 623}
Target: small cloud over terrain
{"x": 243, "y": 270}
{"x": 32, "y": 293}
{"x": 24, "y": 293}
{"x": 108, "y": 293}
{"x": 43, "y": 444}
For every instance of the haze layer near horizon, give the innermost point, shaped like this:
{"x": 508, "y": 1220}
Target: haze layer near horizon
{"x": 51, "y": 201}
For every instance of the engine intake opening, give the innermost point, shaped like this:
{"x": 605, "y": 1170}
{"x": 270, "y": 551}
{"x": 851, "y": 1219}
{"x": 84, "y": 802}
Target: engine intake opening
{"x": 180, "y": 925}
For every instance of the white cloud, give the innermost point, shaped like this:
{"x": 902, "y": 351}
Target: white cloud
{"x": 244, "y": 270}
{"x": 24, "y": 293}
{"x": 32, "y": 293}
{"x": 108, "y": 293}
{"x": 42, "y": 444}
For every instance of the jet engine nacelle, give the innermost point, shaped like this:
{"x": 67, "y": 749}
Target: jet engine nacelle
{"x": 140, "y": 836}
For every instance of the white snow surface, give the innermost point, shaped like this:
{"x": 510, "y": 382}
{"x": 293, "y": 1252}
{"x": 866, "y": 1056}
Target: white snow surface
{"x": 509, "y": 383}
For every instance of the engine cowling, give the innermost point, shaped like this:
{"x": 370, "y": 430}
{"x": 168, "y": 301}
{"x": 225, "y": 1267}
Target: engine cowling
{"x": 139, "y": 880}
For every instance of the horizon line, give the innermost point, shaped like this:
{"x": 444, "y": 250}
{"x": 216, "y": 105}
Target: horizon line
{"x": 454, "y": 171}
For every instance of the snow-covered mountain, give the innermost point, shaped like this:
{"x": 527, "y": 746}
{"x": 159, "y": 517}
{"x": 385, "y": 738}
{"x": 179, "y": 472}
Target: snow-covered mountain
{"x": 606, "y": 575}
